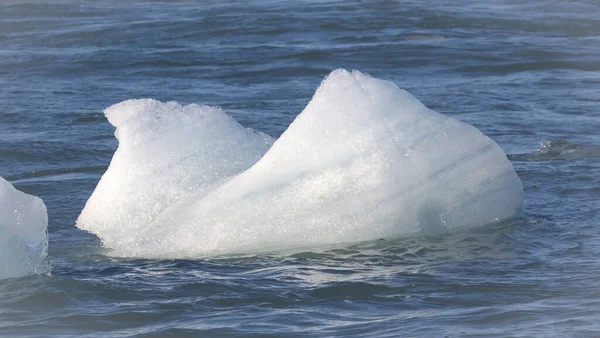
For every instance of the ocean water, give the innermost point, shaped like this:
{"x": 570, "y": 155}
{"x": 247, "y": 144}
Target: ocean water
{"x": 526, "y": 73}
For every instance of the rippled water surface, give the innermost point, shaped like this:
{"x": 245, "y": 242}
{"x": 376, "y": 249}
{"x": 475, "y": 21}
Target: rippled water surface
{"x": 523, "y": 72}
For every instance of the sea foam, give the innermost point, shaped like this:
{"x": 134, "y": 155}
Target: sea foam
{"x": 364, "y": 160}
{"x": 23, "y": 233}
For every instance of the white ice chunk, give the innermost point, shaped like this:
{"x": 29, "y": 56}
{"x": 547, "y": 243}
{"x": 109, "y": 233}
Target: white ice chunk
{"x": 23, "y": 233}
{"x": 364, "y": 160}
{"x": 167, "y": 153}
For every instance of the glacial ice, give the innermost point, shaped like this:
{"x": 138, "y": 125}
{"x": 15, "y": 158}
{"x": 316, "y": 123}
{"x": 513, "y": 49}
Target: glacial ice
{"x": 364, "y": 160}
{"x": 23, "y": 233}
{"x": 168, "y": 153}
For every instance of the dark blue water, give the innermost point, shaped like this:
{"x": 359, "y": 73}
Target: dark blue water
{"x": 521, "y": 71}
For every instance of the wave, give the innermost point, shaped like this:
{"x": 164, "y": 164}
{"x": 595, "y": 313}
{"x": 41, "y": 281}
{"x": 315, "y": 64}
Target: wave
{"x": 23, "y": 233}
{"x": 558, "y": 150}
{"x": 364, "y": 160}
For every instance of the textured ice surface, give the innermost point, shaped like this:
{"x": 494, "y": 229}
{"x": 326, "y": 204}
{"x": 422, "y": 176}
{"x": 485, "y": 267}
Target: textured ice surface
{"x": 23, "y": 233}
{"x": 559, "y": 150}
{"x": 168, "y": 153}
{"x": 364, "y": 160}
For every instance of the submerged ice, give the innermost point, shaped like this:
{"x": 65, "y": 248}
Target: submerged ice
{"x": 364, "y": 160}
{"x": 23, "y": 233}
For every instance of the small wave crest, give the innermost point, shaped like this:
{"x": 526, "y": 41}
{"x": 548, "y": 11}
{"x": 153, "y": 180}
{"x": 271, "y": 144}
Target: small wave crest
{"x": 558, "y": 150}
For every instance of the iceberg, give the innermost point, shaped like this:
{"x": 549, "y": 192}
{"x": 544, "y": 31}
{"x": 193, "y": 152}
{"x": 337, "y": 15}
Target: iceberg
{"x": 168, "y": 153}
{"x": 23, "y": 233}
{"x": 364, "y": 160}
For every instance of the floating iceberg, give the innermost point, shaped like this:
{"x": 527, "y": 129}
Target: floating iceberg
{"x": 364, "y": 160}
{"x": 23, "y": 233}
{"x": 168, "y": 154}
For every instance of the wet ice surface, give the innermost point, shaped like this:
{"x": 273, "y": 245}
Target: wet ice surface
{"x": 521, "y": 72}
{"x": 364, "y": 160}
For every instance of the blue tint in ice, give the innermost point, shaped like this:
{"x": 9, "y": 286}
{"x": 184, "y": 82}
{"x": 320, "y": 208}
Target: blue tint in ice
{"x": 23, "y": 233}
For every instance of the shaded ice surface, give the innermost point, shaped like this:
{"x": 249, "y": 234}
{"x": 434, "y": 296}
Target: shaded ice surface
{"x": 364, "y": 160}
{"x": 23, "y": 233}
